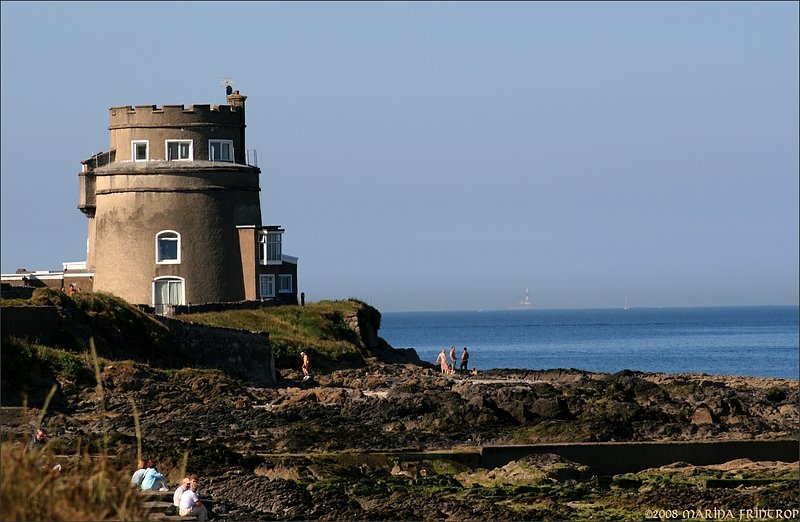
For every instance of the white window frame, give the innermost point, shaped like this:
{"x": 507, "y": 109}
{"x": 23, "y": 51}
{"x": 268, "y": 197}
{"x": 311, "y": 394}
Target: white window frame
{"x": 263, "y": 247}
{"x": 169, "y": 278}
{"x": 134, "y": 143}
{"x": 281, "y": 279}
{"x": 220, "y": 142}
{"x": 176, "y": 261}
{"x": 261, "y": 279}
{"x": 191, "y": 150}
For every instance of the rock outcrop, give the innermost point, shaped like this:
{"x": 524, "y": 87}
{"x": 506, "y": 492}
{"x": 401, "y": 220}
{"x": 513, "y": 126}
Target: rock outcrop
{"x": 253, "y": 444}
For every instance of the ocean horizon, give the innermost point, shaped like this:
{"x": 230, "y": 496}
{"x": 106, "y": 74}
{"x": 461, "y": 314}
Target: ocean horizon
{"x": 757, "y": 341}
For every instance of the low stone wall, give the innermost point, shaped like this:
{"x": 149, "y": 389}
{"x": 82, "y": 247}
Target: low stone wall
{"x": 37, "y": 323}
{"x": 210, "y": 307}
{"x": 239, "y": 353}
{"x": 611, "y": 458}
{"x": 16, "y": 291}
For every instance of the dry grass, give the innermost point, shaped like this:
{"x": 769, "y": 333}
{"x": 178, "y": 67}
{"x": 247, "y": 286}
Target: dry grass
{"x": 86, "y": 488}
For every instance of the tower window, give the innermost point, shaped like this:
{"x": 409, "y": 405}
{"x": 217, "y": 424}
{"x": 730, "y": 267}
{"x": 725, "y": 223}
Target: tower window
{"x": 140, "y": 150}
{"x": 220, "y": 150}
{"x": 168, "y": 247}
{"x": 179, "y": 150}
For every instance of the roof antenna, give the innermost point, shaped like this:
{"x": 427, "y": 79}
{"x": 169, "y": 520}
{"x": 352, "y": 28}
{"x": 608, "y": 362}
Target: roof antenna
{"x": 228, "y": 84}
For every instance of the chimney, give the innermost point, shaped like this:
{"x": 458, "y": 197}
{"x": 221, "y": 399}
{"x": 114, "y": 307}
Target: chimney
{"x": 236, "y": 99}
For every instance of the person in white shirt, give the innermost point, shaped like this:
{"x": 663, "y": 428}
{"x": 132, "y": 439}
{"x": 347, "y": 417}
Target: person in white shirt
{"x": 176, "y": 499}
{"x": 191, "y": 505}
{"x": 138, "y": 475}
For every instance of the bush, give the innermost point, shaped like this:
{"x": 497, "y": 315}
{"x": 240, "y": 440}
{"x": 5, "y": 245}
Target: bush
{"x": 18, "y": 356}
{"x": 286, "y": 355}
{"x": 339, "y": 329}
{"x": 776, "y": 394}
{"x": 67, "y": 365}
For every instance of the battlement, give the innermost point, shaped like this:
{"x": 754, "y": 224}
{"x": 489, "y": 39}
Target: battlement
{"x": 128, "y": 116}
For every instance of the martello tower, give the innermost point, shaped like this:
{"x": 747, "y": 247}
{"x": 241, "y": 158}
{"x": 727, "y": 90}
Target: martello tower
{"x": 174, "y": 210}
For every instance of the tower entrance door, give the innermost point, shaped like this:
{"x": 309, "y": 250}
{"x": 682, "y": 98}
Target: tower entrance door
{"x": 168, "y": 292}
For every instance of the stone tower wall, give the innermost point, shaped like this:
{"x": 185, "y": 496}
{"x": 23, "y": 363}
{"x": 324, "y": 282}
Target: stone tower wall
{"x": 204, "y": 207}
{"x": 199, "y": 123}
{"x": 201, "y": 200}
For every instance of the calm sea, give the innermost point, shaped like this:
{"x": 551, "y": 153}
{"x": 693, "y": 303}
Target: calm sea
{"x": 755, "y": 341}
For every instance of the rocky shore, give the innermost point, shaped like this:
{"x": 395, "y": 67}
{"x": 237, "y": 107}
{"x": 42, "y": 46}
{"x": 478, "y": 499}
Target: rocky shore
{"x": 336, "y": 447}
{"x": 377, "y": 434}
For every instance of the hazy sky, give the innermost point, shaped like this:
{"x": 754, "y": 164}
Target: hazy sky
{"x": 427, "y": 156}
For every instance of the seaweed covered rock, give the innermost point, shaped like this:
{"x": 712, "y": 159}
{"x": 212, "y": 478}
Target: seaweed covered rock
{"x": 533, "y": 469}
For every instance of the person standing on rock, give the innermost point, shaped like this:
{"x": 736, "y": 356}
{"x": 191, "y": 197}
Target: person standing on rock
{"x": 442, "y": 359}
{"x": 464, "y": 360}
{"x": 191, "y": 505}
{"x": 453, "y": 357}
{"x": 306, "y": 366}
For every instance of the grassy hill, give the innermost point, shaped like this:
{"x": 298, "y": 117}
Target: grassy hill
{"x": 335, "y": 333}
{"x": 330, "y": 331}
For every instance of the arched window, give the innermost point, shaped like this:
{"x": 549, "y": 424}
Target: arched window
{"x": 168, "y": 292}
{"x": 168, "y": 247}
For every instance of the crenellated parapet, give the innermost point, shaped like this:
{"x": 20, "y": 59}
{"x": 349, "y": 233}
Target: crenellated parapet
{"x": 170, "y": 116}
{"x": 149, "y": 129}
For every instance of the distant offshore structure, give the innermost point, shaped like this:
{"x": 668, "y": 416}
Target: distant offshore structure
{"x": 526, "y": 302}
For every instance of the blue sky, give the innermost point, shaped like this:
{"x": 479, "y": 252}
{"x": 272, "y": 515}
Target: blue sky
{"x": 431, "y": 156}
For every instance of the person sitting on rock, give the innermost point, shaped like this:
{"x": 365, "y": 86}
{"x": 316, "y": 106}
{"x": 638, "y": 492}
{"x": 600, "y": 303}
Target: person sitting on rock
{"x": 153, "y": 480}
{"x": 194, "y": 478}
{"x": 37, "y": 442}
{"x": 176, "y": 498}
{"x": 306, "y": 366}
{"x": 138, "y": 475}
{"x": 35, "y": 448}
{"x": 191, "y": 505}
